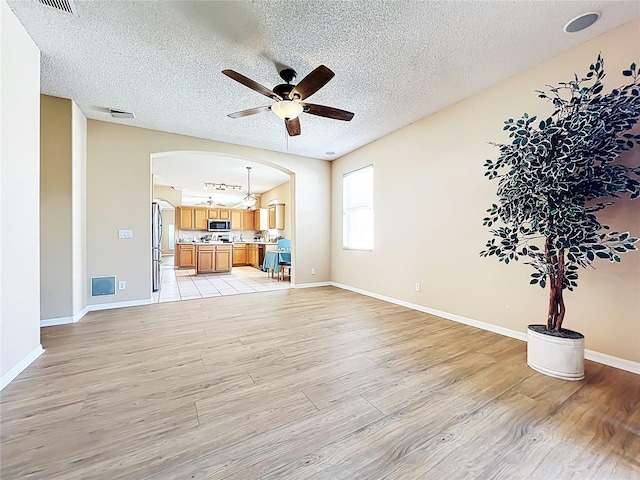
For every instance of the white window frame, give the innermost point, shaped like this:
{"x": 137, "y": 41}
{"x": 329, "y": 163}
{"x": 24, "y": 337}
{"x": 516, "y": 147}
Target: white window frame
{"x": 365, "y": 207}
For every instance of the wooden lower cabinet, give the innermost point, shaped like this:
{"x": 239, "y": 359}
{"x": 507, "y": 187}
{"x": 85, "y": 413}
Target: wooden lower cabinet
{"x": 240, "y": 254}
{"x": 186, "y": 256}
{"x": 206, "y": 258}
{"x": 223, "y": 259}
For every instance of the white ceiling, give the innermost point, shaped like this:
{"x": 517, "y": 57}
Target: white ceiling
{"x": 395, "y": 61}
{"x": 190, "y": 171}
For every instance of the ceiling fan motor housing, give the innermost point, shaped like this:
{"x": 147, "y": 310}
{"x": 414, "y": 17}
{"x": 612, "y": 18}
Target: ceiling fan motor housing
{"x": 283, "y": 90}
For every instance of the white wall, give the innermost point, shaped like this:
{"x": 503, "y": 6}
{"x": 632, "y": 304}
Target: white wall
{"x": 79, "y": 208}
{"x": 19, "y": 197}
{"x": 429, "y": 185}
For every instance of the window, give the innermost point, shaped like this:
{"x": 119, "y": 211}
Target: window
{"x": 357, "y": 211}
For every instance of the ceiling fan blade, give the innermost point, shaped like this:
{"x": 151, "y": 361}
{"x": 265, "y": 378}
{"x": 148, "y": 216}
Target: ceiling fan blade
{"x": 293, "y": 127}
{"x": 247, "y": 82}
{"x": 312, "y": 82}
{"x": 251, "y": 111}
{"x": 329, "y": 112}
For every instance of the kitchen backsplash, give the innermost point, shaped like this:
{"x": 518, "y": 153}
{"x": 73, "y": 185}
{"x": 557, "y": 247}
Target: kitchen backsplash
{"x": 234, "y": 235}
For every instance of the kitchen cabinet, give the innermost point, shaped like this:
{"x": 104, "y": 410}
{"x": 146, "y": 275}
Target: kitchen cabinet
{"x": 200, "y": 219}
{"x": 206, "y": 258}
{"x": 254, "y": 255}
{"x": 186, "y": 255}
{"x": 219, "y": 213}
{"x": 184, "y": 218}
{"x": 213, "y": 258}
{"x": 190, "y": 218}
{"x": 276, "y": 216}
{"x": 237, "y": 217}
{"x": 240, "y": 254}
{"x": 261, "y": 219}
{"x": 223, "y": 258}
{"x": 248, "y": 220}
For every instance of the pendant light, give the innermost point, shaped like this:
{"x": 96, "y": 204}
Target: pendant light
{"x": 250, "y": 200}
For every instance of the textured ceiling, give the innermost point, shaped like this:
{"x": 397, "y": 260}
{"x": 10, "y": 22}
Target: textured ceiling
{"x": 395, "y": 61}
{"x": 189, "y": 171}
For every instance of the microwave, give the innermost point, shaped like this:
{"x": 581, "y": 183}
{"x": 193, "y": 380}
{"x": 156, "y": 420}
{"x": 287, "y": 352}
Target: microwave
{"x": 219, "y": 225}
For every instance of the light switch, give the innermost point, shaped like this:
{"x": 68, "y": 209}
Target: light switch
{"x": 125, "y": 233}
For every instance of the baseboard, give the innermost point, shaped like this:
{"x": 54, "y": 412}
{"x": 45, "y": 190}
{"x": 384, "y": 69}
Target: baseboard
{"x": 311, "y": 285}
{"x": 621, "y": 363}
{"x": 109, "y": 306}
{"x": 17, "y": 370}
{"x": 50, "y": 322}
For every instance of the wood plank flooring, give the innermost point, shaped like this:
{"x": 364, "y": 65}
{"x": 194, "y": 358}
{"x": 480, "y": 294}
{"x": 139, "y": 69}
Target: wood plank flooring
{"x": 316, "y": 383}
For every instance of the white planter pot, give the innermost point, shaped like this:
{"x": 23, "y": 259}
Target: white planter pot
{"x": 555, "y": 356}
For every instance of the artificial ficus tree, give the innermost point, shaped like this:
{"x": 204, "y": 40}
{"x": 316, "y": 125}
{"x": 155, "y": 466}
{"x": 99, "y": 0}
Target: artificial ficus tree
{"x": 556, "y": 173}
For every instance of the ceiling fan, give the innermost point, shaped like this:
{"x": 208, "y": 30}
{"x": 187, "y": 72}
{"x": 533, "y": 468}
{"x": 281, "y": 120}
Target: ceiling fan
{"x": 289, "y": 97}
{"x": 211, "y": 203}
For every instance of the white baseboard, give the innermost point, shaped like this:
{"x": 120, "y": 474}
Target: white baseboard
{"x": 621, "y": 363}
{"x": 311, "y": 285}
{"x": 130, "y": 303}
{"x": 50, "y": 322}
{"x": 17, "y": 369}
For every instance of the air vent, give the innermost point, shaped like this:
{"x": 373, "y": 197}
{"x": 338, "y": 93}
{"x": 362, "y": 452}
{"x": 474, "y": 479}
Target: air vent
{"x": 120, "y": 114}
{"x": 67, "y": 6}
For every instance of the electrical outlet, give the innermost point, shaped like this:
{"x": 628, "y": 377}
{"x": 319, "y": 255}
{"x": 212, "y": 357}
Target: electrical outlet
{"x": 313, "y": 271}
{"x": 417, "y": 287}
{"x": 122, "y": 285}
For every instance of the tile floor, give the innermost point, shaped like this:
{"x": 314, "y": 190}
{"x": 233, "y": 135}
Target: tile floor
{"x": 177, "y": 285}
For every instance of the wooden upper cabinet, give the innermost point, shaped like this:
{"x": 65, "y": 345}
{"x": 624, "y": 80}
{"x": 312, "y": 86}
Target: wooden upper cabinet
{"x": 248, "y": 222}
{"x": 184, "y": 218}
{"x": 237, "y": 219}
{"x": 224, "y": 214}
{"x": 256, "y": 220}
{"x": 213, "y": 213}
{"x": 200, "y": 218}
{"x": 276, "y": 216}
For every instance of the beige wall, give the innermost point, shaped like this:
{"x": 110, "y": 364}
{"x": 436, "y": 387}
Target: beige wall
{"x": 174, "y": 197}
{"x": 119, "y": 195}
{"x": 56, "y": 245}
{"x": 79, "y": 207}
{"x": 63, "y": 258}
{"x": 430, "y": 197}
{"x": 283, "y": 194}
{"x": 19, "y": 197}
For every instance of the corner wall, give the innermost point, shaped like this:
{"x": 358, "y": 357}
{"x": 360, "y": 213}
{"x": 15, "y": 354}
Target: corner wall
{"x": 430, "y": 196}
{"x": 283, "y": 194}
{"x": 19, "y": 197}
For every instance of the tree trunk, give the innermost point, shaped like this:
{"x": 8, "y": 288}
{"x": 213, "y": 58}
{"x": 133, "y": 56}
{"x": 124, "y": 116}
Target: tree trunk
{"x": 556, "y": 313}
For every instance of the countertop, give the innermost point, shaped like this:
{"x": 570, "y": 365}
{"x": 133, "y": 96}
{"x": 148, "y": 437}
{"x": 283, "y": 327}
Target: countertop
{"x": 226, "y": 243}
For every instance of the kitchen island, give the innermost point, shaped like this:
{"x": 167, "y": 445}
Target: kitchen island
{"x": 220, "y": 257}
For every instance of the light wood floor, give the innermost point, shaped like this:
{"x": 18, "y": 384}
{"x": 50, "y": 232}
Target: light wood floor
{"x": 314, "y": 383}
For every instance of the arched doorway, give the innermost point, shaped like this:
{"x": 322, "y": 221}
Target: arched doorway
{"x": 205, "y": 184}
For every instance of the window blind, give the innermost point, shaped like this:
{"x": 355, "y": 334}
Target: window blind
{"x": 357, "y": 211}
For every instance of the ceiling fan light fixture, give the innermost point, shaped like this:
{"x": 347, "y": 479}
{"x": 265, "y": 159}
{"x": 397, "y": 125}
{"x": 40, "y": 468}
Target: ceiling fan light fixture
{"x": 287, "y": 109}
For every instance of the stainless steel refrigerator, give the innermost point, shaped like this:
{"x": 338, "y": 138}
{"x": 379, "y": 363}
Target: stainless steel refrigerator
{"x": 156, "y": 238}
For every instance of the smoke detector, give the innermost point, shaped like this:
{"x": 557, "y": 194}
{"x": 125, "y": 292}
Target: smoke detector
{"x": 67, "y": 6}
